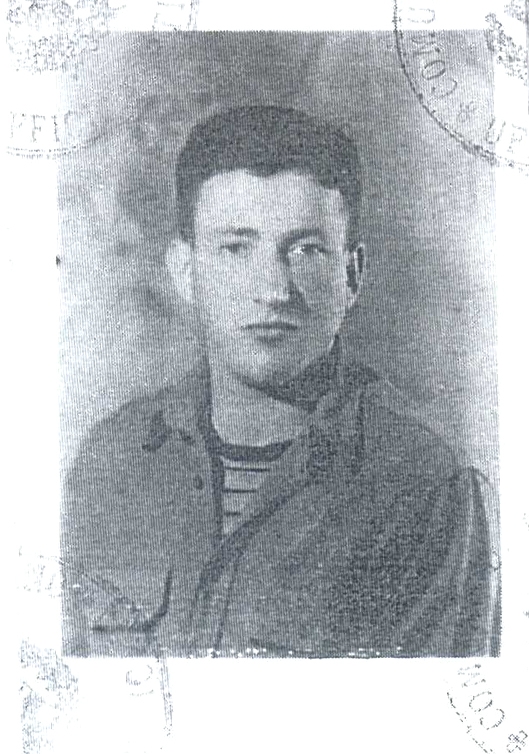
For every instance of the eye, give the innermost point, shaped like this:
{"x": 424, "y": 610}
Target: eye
{"x": 235, "y": 248}
{"x": 306, "y": 249}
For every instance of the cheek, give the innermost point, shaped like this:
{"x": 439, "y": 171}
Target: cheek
{"x": 218, "y": 299}
{"x": 327, "y": 290}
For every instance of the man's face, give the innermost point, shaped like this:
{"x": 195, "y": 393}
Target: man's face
{"x": 269, "y": 272}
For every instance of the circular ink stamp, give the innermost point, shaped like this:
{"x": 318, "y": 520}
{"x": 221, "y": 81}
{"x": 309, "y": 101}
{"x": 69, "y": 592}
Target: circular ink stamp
{"x": 472, "y": 81}
{"x": 488, "y": 699}
{"x": 489, "y": 695}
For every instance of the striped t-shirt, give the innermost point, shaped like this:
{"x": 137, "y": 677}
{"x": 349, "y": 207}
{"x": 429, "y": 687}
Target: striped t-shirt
{"x": 244, "y": 470}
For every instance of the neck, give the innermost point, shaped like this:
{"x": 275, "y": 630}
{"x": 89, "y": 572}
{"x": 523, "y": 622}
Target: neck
{"x": 246, "y": 415}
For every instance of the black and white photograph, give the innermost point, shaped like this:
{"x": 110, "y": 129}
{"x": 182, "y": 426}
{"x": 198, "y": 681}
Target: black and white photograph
{"x": 292, "y": 339}
{"x": 276, "y": 426}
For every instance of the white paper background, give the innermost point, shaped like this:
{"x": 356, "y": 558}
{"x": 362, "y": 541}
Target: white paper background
{"x": 242, "y": 706}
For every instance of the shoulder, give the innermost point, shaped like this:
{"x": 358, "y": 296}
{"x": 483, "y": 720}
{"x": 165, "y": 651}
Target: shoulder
{"x": 414, "y": 483}
{"x": 404, "y": 464}
{"x": 141, "y": 424}
{"x": 414, "y": 472}
{"x": 396, "y": 435}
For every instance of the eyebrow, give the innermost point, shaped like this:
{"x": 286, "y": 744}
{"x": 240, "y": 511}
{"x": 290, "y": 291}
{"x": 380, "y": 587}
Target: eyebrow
{"x": 291, "y": 237}
{"x": 242, "y": 232}
{"x": 299, "y": 233}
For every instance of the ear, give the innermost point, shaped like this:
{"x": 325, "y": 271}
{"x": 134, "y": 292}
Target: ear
{"x": 179, "y": 265}
{"x": 355, "y": 271}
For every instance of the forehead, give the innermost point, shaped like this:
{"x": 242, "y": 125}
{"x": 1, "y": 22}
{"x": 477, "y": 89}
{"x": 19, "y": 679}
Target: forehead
{"x": 288, "y": 198}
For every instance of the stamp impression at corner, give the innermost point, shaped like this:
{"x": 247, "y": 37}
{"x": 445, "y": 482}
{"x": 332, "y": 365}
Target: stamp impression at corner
{"x": 49, "y": 38}
{"x": 490, "y": 700}
{"x": 49, "y": 697}
{"x": 62, "y": 695}
{"x": 446, "y": 65}
{"x": 45, "y": 39}
{"x": 47, "y": 35}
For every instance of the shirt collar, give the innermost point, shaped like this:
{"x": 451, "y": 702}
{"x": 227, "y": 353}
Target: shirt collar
{"x": 306, "y": 389}
{"x": 322, "y": 388}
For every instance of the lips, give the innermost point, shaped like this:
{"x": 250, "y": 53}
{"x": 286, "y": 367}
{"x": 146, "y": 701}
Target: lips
{"x": 272, "y": 331}
{"x": 273, "y": 326}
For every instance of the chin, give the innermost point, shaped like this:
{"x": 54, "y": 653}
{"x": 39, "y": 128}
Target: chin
{"x": 263, "y": 373}
{"x": 268, "y": 373}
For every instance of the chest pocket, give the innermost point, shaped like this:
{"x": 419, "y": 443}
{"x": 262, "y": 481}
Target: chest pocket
{"x": 122, "y": 617}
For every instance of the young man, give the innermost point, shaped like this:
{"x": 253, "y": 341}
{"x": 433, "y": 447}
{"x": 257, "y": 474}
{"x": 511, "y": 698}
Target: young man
{"x": 278, "y": 504}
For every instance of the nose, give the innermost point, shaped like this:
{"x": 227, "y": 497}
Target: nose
{"x": 272, "y": 279}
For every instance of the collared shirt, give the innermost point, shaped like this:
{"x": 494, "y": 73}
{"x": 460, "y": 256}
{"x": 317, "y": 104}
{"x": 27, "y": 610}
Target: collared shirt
{"x": 370, "y": 537}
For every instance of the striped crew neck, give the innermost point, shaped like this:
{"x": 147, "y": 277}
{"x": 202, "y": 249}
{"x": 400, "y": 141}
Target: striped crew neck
{"x": 245, "y": 468}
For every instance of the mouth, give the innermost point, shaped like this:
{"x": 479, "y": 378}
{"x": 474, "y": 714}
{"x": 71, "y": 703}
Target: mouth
{"x": 275, "y": 329}
{"x": 279, "y": 325}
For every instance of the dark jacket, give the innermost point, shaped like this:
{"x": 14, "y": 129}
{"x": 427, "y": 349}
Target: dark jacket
{"x": 370, "y": 540}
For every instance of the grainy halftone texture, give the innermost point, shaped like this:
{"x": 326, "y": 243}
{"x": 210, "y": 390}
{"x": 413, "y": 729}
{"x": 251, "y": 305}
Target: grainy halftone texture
{"x": 425, "y": 317}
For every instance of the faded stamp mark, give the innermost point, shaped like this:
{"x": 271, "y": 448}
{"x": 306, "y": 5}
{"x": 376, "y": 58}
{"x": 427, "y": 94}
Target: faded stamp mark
{"x": 49, "y": 688}
{"x": 445, "y": 89}
{"x": 48, "y": 692}
{"x": 47, "y": 37}
{"x": 173, "y": 16}
{"x": 480, "y": 708}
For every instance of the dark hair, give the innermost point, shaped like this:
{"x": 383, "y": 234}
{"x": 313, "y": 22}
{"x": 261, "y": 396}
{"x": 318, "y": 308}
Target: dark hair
{"x": 266, "y": 140}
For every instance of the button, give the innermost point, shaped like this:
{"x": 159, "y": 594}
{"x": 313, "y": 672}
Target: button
{"x": 198, "y": 482}
{"x": 185, "y": 436}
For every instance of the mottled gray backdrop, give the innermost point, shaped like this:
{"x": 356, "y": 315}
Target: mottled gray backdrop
{"x": 425, "y": 318}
